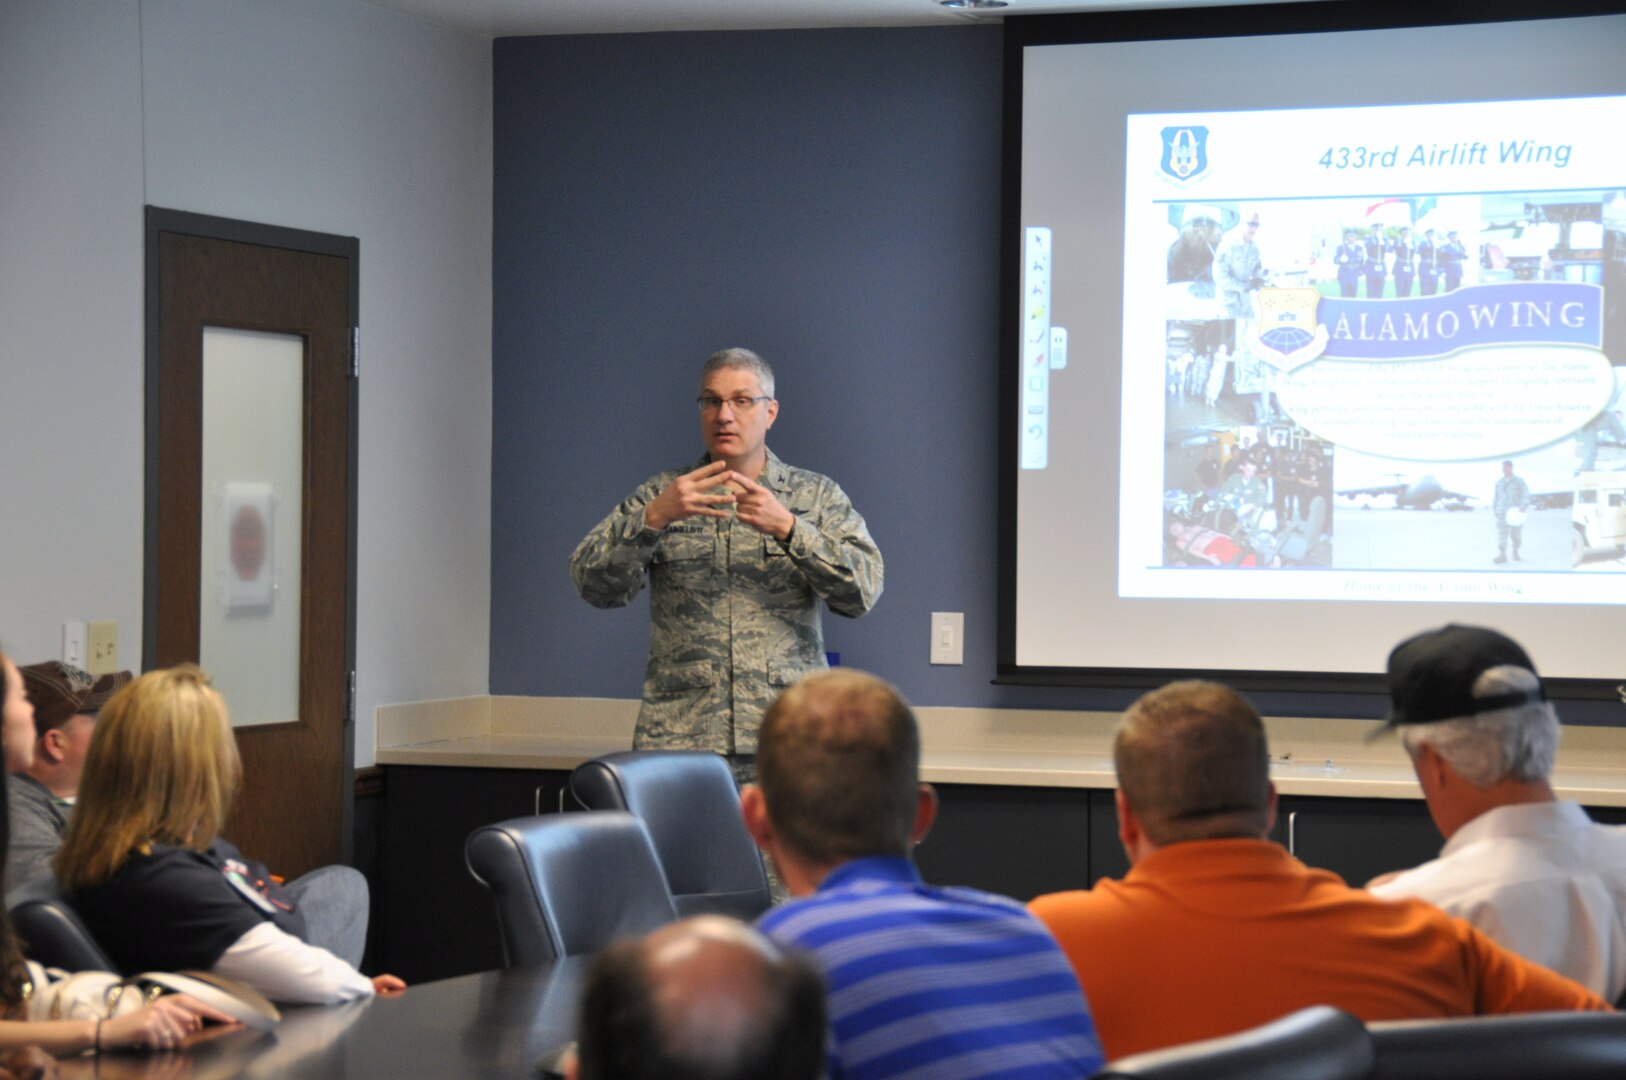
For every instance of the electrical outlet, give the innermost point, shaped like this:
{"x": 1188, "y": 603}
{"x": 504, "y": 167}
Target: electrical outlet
{"x": 102, "y": 647}
{"x": 73, "y": 644}
{"x": 948, "y": 637}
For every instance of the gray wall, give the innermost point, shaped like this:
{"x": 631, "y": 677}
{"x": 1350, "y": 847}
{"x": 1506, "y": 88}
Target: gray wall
{"x": 331, "y": 115}
{"x": 71, "y": 190}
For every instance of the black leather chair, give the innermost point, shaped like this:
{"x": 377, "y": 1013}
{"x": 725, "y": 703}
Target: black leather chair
{"x": 1318, "y": 1043}
{"x": 689, "y": 804}
{"x": 566, "y": 884}
{"x": 51, "y": 931}
{"x": 1546, "y": 1046}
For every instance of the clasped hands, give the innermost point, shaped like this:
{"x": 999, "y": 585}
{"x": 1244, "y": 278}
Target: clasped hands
{"x": 695, "y": 494}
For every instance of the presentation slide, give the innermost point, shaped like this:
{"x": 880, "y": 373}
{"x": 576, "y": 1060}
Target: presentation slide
{"x": 1310, "y": 360}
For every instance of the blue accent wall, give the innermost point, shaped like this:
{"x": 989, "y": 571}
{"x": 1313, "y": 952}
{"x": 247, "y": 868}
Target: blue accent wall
{"x": 828, "y": 198}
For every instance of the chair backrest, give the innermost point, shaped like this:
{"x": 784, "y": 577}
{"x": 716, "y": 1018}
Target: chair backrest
{"x": 566, "y": 884}
{"x": 1318, "y": 1043}
{"x": 1574, "y": 1046}
{"x": 51, "y": 931}
{"x": 688, "y": 802}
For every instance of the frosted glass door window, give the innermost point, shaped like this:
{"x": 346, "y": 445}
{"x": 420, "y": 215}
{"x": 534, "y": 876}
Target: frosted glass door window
{"x": 253, "y": 483}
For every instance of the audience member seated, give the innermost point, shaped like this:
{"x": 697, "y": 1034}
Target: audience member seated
{"x": 1248, "y": 491}
{"x": 1216, "y": 929}
{"x": 923, "y": 981}
{"x": 16, "y": 718}
{"x": 707, "y": 998}
{"x": 159, "y": 889}
{"x": 66, "y": 701}
{"x": 1534, "y": 873}
{"x": 163, "y": 1023}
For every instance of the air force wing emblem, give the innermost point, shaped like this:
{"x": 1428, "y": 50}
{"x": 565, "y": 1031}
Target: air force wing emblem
{"x": 1185, "y": 151}
{"x": 1286, "y": 334}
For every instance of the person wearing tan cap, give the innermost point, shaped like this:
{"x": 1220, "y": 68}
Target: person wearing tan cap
{"x": 40, "y": 796}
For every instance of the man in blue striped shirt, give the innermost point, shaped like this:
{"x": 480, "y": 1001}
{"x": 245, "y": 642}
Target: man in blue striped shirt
{"x": 945, "y": 984}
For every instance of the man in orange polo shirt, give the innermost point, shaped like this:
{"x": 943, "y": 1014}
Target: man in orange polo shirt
{"x": 1216, "y": 929}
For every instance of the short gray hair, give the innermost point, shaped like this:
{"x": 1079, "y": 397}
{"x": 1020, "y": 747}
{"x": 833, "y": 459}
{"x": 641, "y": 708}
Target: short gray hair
{"x": 1516, "y": 743}
{"x": 739, "y": 358}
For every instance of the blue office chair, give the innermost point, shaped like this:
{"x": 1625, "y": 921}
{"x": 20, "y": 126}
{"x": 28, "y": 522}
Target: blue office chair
{"x": 1318, "y": 1043}
{"x": 566, "y": 884}
{"x": 1571, "y": 1046}
{"x": 688, "y": 802}
{"x": 51, "y": 931}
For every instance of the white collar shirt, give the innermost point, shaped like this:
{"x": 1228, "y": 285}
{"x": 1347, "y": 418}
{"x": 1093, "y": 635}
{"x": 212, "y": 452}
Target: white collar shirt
{"x": 1541, "y": 879}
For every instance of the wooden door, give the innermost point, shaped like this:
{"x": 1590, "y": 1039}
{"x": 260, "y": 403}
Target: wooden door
{"x": 205, "y": 274}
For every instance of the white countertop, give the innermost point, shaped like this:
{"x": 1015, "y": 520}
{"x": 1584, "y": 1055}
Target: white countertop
{"x": 1015, "y": 747}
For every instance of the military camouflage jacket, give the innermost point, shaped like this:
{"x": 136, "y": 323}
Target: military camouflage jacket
{"x": 1510, "y": 491}
{"x": 1237, "y": 270}
{"x": 734, "y": 612}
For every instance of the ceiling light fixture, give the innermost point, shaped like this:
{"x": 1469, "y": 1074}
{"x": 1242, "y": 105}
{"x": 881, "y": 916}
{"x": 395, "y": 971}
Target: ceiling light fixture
{"x": 974, "y": 5}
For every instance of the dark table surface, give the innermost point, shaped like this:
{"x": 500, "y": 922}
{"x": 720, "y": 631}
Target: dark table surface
{"x": 496, "y": 1024}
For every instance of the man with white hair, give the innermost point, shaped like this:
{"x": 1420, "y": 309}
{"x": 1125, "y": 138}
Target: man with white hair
{"x": 1533, "y": 872}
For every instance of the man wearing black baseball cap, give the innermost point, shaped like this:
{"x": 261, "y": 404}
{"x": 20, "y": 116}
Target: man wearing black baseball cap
{"x": 66, "y": 701}
{"x": 1531, "y": 871}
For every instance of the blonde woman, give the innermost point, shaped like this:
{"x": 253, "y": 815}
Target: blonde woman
{"x": 163, "y": 1023}
{"x": 144, "y": 865}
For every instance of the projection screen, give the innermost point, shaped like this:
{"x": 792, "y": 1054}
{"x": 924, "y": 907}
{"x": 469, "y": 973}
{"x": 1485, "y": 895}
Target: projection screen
{"x": 1312, "y": 340}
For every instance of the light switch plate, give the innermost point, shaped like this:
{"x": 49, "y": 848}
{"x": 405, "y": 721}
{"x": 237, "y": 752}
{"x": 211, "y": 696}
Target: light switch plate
{"x": 948, "y": 637}
{"x": 74, "y": 652}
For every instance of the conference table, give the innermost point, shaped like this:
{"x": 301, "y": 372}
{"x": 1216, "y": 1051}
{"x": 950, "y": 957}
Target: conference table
{"x": 495, "y": 1025}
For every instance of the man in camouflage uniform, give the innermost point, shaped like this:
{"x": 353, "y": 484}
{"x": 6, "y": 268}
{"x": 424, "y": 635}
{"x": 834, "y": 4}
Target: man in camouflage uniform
{"x": 1238, "y": 270}
{"x": 739, "y": 550}
{"x": 1512, "y": 493}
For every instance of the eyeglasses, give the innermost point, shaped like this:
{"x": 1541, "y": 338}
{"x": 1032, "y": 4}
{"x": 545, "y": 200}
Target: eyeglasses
{"x": 740, "y": 403}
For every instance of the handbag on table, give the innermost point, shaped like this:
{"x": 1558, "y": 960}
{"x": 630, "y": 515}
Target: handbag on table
{"x": 54, "y": 994}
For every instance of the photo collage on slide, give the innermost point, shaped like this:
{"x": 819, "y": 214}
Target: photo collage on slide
{"x": 1406, "y": 383}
